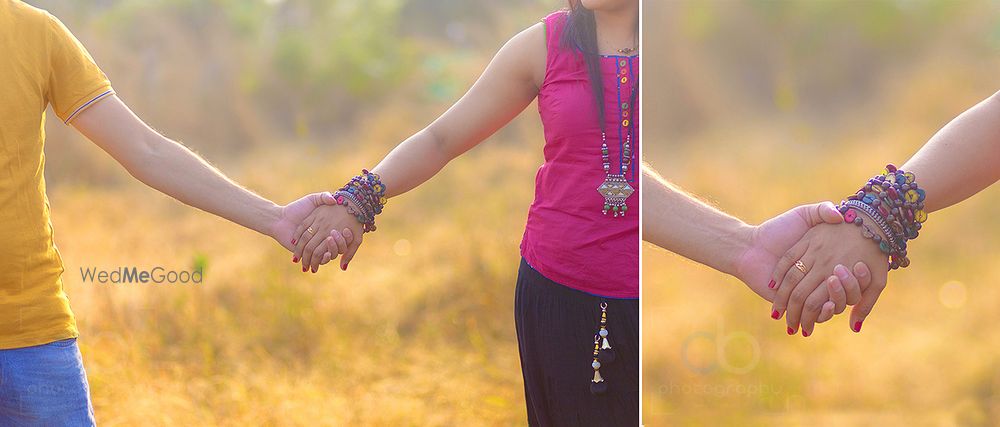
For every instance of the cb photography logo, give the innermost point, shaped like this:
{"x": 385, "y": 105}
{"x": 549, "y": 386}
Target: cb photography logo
{"x": 735, "y": 352}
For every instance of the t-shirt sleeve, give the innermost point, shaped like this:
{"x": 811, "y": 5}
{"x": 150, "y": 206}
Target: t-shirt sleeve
{"x": 75, "y": 81}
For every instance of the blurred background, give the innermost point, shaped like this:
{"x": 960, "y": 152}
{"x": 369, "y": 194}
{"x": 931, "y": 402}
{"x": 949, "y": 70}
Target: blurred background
{"x": 292, "y": 97}
{"x": 757, "y": 106}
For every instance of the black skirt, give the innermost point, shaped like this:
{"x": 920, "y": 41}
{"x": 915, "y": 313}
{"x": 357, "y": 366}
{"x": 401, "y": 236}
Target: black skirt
{"x": 555, "y": 335}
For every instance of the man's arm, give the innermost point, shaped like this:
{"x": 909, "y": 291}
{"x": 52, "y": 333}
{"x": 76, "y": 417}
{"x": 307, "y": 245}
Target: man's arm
{"x": 684, "y": 225}
{"x": 176, "y": 171}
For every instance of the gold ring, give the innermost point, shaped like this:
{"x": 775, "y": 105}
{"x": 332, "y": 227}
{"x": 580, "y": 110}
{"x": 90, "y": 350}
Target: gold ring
{"x": 310, "y": 230}
{"x": 801, "y": 266}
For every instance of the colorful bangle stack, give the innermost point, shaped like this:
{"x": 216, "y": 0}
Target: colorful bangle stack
{"x": 364, "y": 197}
{"x": 895, "y": 203}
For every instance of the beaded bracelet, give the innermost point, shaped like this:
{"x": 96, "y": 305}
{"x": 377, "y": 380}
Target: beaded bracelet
{"x": 364, "y": 197}
{"x": 871, "y": 213}
{"x": 895, "y": 203}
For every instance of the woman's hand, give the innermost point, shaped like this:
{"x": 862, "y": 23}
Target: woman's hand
{"x": 327, "y": 232}
{"x": 823, "y": 249}
{"x": 770, "y": 240}
{"x": 292, "y": 214}
{"x": 767, "y": 242}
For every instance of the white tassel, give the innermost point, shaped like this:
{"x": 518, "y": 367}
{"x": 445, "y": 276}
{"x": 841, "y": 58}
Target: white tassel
{"x": 597, "y": 377}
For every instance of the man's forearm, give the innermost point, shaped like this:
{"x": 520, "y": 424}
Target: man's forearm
{"x": 170, "y": 167}
{"x": 174, "y": 170}
{"x": 682, "y": 224}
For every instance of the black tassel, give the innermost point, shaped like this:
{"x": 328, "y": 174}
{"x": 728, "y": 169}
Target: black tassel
{"x": 598, "y": 388}
{"x": 606, "y": 356}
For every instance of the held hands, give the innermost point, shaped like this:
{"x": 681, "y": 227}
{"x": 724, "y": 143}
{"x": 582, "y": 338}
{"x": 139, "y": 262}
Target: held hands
{"x": 326, "y": 232}
{"x": 319, "y": 213}
{"x": 823, "y": 249}
{"x": 769, "y": 247}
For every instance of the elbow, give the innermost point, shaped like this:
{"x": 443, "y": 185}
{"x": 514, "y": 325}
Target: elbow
{"x": 149, "y": 148}
{"x": 443, "y": 146}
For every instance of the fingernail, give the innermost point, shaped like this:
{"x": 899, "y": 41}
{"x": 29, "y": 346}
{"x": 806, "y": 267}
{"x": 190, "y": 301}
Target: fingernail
{"x": 841, "y": 272}
{"x": 771, "y": 285}
{"x": 295, "y": 259}
{"x": 791, "y": 331}
{"x": 861, "y": 273}
{"x": 293, "y": 241}
{"x": 775, "y": 314}
{"x": 805, "y": 333}
{"x": 314, "y": 271}
{"x": 303, "y": 269}
{"x": 343, "y": 267}
{"x": 857, "y": 326}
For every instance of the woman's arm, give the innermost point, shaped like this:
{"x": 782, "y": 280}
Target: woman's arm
{"x": 507, "y": 86}
{"x": 960, "y": 160}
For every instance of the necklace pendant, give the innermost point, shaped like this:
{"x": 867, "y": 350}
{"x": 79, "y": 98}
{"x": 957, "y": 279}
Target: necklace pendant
{"x": 615, "y": 190}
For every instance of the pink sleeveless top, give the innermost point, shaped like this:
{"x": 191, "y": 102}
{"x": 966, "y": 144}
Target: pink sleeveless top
{"x": 567, "y": 238}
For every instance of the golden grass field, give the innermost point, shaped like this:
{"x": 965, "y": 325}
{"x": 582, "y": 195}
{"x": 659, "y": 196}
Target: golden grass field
{"x": 289, "y": 98}
{"x": 417, "y": 332}
{"x": 929, "y": 354}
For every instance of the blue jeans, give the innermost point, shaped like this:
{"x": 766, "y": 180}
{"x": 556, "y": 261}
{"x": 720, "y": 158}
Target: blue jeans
{"x": 44, "y": 385}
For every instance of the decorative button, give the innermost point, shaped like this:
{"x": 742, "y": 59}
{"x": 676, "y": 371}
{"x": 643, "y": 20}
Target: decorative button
{"x": 624, "y": 79}
{"x": 624, "y": 106}
{"x": 625, "y": 123}
{"x": 625, "y": 113}
{"x": 622, "y": 63}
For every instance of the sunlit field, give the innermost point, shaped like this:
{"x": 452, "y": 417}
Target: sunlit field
{"x": 766, "y": 105}
{"x": 290, "y": 98}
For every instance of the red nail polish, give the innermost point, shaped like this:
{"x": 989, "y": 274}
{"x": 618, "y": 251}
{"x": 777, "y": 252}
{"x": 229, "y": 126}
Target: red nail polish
{"x": 805, "y": 333}
{"x": 791, "y": 331}
{"x": 857, "y": 326}
{"x": 303, "y": 269}
{"x": 295, "y": 259}
{"x": 769, "y": 285}
{"x": 775, "y": 314}
{"x": 293, "y": 241}
{"x": 343, "y": 267}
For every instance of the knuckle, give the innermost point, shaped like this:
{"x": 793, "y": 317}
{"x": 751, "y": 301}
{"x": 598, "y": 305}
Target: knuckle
{"x": 796, "y": 298}
{"x": 786, "y": 259}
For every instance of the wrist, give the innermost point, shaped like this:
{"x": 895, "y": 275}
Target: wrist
{"x": 740, "y": 241}
{"x": 270, "y": 217}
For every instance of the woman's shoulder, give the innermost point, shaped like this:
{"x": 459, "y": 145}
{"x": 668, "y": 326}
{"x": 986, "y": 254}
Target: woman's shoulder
{"x": 556, "y": 19}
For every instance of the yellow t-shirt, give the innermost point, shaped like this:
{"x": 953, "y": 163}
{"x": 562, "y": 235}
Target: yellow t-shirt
{"x": 41, "y": 63}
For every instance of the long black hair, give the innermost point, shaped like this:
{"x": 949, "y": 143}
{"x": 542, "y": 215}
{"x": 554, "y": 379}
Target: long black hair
{"x": 581, "y": 33}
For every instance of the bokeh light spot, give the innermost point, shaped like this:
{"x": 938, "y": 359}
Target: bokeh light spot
{"x": 952, "y": 294}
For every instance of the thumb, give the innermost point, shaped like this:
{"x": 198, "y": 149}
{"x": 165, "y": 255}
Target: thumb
{"x": 822, "y": 213}
{"x": 326, "y": 198}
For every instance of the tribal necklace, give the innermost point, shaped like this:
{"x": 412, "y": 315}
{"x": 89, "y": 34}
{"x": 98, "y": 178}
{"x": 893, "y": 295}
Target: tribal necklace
{"x": 615, "y": 189}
